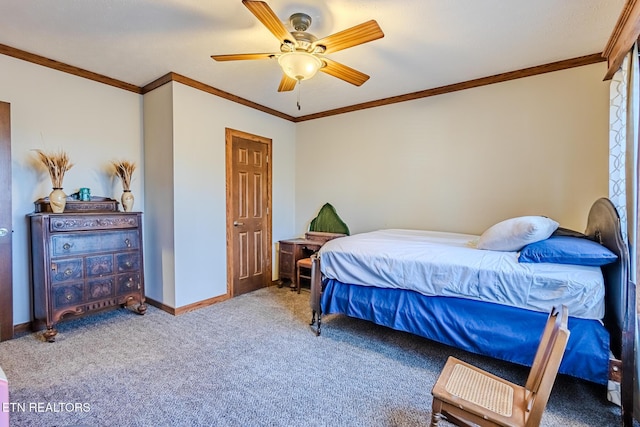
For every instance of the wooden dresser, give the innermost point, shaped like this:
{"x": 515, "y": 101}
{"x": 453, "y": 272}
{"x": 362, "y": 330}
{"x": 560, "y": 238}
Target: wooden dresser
{"x": 84, "y": 262}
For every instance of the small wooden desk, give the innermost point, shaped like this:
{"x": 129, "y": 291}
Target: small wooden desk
{"x": 290, "y": 252}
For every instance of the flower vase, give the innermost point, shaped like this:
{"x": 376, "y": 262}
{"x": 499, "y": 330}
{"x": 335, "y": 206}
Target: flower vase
{"x": 127, "y": 200}
{"x": 57, "y": 200}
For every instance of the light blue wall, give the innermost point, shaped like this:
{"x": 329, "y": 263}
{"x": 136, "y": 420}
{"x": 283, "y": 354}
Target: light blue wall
{"x": 199, "y": 192}
{"x": 94, "y": 123}
{"x": 462, "y": 161}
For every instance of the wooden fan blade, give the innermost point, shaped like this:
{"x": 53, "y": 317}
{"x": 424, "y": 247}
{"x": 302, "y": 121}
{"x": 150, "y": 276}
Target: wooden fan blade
{"x": 287, "y": 83}
{"x": 242, "y": 56}
{"x": 343, "y": 72}
{"x": 363, "y": 33}
{"x": 269, "y": 19}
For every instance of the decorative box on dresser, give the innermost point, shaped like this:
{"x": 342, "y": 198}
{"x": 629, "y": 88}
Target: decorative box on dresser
{"x": 84, "y": 261}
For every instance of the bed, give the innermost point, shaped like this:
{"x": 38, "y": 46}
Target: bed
{"x": 465, "y": 300}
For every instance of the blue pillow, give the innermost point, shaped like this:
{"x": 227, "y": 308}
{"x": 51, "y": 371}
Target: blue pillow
{"x": 567, "y": 250}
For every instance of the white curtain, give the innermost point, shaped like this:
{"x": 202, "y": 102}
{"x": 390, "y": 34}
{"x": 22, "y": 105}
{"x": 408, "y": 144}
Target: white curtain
{"x": 623, "y": 164}
{"x": 623, "y": 145}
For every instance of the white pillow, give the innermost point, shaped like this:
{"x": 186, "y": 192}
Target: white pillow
{"x": 514, "y": 233}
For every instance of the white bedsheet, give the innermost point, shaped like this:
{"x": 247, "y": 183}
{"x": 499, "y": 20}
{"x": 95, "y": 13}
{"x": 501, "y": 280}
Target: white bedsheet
{"x": 445, "y": 264}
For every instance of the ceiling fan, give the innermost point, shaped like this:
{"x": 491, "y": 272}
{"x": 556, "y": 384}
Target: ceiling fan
{"x": 301, "y": 53}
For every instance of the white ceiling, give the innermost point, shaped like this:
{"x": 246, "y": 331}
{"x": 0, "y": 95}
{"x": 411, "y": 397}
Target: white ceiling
{"x": 427, "y": 43}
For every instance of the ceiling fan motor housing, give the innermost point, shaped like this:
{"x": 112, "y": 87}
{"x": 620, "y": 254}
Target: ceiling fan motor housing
{"x": 300, "y": 21}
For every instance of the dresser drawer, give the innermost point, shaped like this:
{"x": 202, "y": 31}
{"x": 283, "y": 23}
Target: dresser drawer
{"x": 99, "y": 265}
{"x": 128, "y": 261}
{"x": 66, "y": 270}
{"x": 92, "y": 222}
{"x": 81, "y": 243}
{"x": 67, "y": 295}
{"x": 128, "y": 283}
{"x": 287, "y": 248}
{"x": 101, "y": 288}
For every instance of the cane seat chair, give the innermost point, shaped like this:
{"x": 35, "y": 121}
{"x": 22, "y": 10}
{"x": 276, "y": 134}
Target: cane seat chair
{"x": 467, "y": 396}
{"x": 303, "y": 271}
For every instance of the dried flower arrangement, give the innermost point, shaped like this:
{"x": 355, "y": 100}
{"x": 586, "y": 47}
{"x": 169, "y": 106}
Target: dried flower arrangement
{"x": 57, "y": 165}
{"x": 124, "y": 170}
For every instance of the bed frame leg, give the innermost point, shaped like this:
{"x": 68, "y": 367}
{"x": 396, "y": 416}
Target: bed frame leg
{"x": 319, "y": 325}
{"x": 313, "y": 320}
{"x": 316, "y": 292}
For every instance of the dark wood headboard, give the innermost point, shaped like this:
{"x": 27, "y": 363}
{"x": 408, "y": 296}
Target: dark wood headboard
{"x": 603, "y": 225}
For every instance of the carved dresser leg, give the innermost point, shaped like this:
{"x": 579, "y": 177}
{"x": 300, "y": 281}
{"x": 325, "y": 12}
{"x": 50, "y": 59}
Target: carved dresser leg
{"x": 142, "y": 308}
{"x": 50, "y": 334}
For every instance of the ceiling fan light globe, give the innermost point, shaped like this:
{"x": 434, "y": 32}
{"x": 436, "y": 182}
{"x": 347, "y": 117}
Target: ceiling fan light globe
{"x": 299, "y": 65}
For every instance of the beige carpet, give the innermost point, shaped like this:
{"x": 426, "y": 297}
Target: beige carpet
{"x": 249, "y": 361}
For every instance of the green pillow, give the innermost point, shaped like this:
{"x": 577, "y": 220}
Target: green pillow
{"x": 328, "y": 221}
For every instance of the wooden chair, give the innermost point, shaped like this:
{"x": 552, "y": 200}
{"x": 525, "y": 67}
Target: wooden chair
{"x": 466, "y": 396}
{"x": 303, "y": 266}
{"x": 303, "y": 271}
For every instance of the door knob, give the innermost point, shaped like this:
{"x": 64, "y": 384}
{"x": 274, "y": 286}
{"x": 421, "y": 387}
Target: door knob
{"x": 3, "y": 232}
{"x": 237, "y": 224}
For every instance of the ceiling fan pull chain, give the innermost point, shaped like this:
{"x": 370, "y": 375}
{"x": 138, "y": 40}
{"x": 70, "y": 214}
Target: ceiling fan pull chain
{"x": 298, "y": 95}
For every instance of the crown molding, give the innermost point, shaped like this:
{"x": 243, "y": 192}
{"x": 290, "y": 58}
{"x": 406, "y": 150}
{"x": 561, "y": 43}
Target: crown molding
{"x": 497, "y": 78}
{"x": 174, "y": 77}
{"x": 60, "y": 66}
{"x": 622, "y": 38}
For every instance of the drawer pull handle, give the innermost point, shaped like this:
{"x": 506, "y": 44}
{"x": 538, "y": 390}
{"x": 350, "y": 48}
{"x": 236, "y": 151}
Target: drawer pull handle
{"x": 69, "y": 297}
{"x": 129, "y": 282}
{"x": 66, "y": 246}
{"x": 128, "y": 264}
{"x": 68, "y": 272}
{"x": 127, "y": 242}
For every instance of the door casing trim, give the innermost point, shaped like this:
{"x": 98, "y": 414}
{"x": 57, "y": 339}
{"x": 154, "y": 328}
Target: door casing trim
{"x": 229, "y": 134}
{"x": 6, "y": 286}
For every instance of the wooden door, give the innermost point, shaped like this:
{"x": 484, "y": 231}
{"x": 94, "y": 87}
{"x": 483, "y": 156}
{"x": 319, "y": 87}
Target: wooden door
{"x": 6, "y": 282}
{"x": 248, "y": 212}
